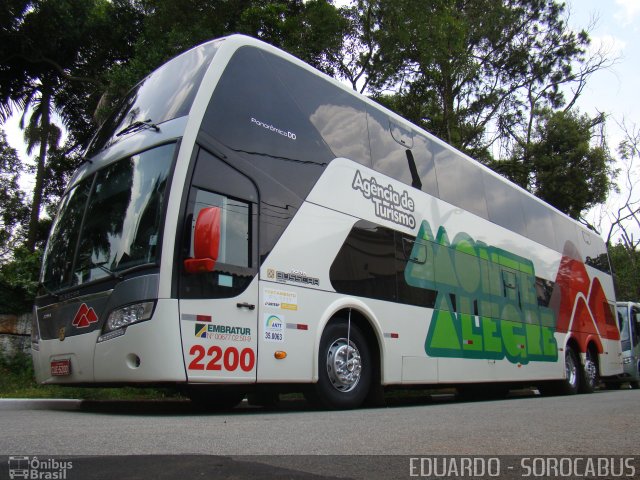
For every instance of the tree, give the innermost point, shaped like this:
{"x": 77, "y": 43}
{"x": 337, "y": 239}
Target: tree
{"x": 562, "y": 166}
{"x": 476, "y": 74}
{"x": 625, "y": 218}
{"x": 54, "y": 53}
{"x": 619, "y": 219}
{"x": 43, "y": 133}
{"x": 14, "y": 212}
{"x": 625, "y": 263}
{"x": 19, "y": 281}
{"x": 358, "y": 60}
{"x": 311, "y": 30}
{"x": 483, "y": 75}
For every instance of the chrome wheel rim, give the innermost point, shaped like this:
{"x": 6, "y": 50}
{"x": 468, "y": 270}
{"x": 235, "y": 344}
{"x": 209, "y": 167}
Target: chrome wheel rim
{"x": 344, "y": 365}
{"x": 590, "y": 369}
{"x": 572, "y": 370}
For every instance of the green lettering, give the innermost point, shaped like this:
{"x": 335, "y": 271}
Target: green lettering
{"x": 443, "y": 335}
{"x": 471, "y": 335}
{"x": 496, "y": 312}
{"x": 467, "y": 266}
{"x": 491, "y": 336}
{"x": 514, "y": 341}
{"x": 534, "y": 340}
{"x": 549, "y": 344}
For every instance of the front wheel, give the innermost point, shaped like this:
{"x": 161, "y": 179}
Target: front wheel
{"x": 344, "y": 368}
{"x": 635, "y": 384}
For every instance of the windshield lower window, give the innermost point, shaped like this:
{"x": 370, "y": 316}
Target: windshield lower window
{"x": 110, "y": 221}
{"x": 623, "y": 323}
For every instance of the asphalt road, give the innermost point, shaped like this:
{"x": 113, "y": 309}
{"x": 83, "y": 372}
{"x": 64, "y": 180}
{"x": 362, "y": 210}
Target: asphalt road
{"x": 604, "y": 423}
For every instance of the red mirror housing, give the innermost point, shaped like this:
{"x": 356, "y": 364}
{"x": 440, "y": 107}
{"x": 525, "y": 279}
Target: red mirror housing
{"x": 206, "y": 241}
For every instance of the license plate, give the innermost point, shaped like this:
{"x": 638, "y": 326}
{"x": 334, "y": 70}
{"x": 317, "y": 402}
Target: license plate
{"x": 60, "y": 368}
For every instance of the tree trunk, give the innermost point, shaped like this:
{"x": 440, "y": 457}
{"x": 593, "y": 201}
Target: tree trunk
{"x": 38, "y": 189}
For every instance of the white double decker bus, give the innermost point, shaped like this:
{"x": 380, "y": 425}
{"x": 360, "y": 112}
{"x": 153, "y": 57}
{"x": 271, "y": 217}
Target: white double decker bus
{"x": 244, "y": 221}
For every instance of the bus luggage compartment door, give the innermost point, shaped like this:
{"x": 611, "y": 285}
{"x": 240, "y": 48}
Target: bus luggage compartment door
{"x": 219, "y": 338}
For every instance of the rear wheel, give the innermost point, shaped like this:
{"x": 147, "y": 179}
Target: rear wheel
{"x": 590, "y": 376}
{"x": 344, "y": 368}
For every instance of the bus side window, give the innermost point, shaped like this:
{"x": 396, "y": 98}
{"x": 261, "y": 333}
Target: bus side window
{"x": 234, "y": 230}
{"x": 504, "y": 204}
{"x": 366, "y": 264}
{"x": 460, "y": 181}
{"x": 232, "y": 272}
{"x": 423, "y": 155}
{"x": 544, "y": 289}
{"x": 511, "y": 292}
{"x": 389, "y": 155}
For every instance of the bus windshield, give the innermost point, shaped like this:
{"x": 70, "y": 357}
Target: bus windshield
{"x": 164, "y": 95}
{"x": 623, "y": 322}
{"x": 110, "y": 221}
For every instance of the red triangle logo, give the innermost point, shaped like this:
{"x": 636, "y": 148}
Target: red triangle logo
{"x": 85, "y": 316}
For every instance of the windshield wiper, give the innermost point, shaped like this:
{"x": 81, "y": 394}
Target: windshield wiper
{"x": 46, "y": 289}
{"x": 138, "y": 125}
{"x": 111, "y": 273}
{"x": 136, "y": 268}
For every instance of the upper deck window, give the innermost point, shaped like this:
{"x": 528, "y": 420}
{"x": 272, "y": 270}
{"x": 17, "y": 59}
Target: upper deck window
{"x": 166, "y": 94}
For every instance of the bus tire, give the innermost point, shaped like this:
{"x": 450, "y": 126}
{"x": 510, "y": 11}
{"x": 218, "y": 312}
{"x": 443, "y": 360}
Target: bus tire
{"x": 635, "y": 384}
{"x": 590, "y": 377}
{"x": 344, "y": 374}
{"x": 571, "y": 384}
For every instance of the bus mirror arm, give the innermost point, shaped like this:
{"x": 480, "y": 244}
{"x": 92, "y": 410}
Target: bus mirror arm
{"x": 206, "y": 241}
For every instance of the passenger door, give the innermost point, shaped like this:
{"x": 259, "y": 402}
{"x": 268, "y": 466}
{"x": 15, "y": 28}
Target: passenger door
{"x": 218, "y": 309}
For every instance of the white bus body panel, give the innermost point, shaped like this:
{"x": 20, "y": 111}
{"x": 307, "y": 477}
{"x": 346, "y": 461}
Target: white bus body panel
{"x": 154, "y": 342}
{"x": 312, "y": 241}
{"x": 219, "y": 338}
{"x": 610, "y": 361}
{"x": 78, "y": 349}
{"x": 148, "y": 352}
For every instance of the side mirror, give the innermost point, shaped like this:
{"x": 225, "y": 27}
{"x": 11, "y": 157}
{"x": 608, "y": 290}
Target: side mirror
{"x": 206, "y": 241}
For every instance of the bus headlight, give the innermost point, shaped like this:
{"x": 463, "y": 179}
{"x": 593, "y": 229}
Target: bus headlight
{"x": 125, "y": 316}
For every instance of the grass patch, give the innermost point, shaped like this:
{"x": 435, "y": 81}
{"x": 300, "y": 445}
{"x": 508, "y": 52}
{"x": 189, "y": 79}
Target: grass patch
{"x": 17, "y": 380}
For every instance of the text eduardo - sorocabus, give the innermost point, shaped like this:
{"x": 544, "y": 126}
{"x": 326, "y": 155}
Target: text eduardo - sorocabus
{"x": 388, "y": 203}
